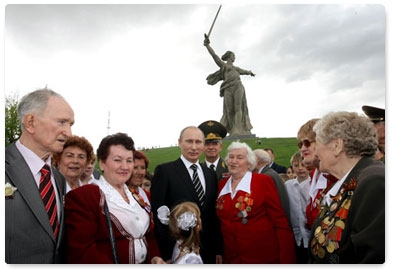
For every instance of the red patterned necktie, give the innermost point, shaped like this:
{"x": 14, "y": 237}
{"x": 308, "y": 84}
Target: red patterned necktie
{"x": 47, "y": 193}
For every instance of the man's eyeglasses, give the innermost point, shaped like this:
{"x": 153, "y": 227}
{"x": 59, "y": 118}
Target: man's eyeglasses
{"x": 305, "y": 142}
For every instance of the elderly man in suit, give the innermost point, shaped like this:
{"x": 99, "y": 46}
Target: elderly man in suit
{"x": 186, "y": 180}
{"x": 214, "y": 132}
{"x": 34, "y": 190}
{"x": 263, "y": 166}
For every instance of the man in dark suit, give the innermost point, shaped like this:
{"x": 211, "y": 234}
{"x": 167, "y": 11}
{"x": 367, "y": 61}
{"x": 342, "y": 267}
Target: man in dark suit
{"x": 263, "y": 161}
{"x": 214, "y": 132}
{"x": 277, "y": 167}
{"x": 172, "y": 183}
{"x": 46, "y": 120}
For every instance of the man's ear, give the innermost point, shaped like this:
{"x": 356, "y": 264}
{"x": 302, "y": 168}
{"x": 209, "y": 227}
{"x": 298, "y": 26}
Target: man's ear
{"x": 29, "y": 121}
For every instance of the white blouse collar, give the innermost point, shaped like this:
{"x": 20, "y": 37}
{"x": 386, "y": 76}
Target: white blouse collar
{"x": 244, "y": 185}
{"x": 113, "y": 196}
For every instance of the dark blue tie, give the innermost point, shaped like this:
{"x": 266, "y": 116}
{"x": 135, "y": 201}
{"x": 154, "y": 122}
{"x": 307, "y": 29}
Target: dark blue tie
{"x": 197, "y": 184}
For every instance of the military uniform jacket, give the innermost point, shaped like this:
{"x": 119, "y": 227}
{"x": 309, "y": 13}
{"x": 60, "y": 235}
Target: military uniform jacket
{"x": 220, "y": 170}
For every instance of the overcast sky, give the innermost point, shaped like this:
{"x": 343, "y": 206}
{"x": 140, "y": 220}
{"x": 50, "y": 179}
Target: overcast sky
{"x": 146, "y": 66}
{"x": 141, "y": 69}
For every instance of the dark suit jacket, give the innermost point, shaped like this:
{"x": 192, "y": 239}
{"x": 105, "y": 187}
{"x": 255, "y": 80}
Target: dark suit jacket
{"x": 28, "y": 234}
{"x": 282, "y": 191}
{"x": 172, "y": 184}
{"x": 363, "y": 237}
{"x": 220, "y": 170}
{"x": 278, "y": 168}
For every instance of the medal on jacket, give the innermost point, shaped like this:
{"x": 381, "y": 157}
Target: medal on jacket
{"x": 244, "y": 204}
{"x": 328, "y": 233}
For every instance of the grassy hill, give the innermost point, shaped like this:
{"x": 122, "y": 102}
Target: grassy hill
{"x": 283, "y": 148}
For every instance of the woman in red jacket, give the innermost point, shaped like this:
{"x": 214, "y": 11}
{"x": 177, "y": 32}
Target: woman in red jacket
{"x": 254, "y": 225}
{"x": 88, "y": 239}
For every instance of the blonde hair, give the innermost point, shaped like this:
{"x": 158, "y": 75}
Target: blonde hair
{"x": 190, "y": 238}
{"x": 296, "y": 158}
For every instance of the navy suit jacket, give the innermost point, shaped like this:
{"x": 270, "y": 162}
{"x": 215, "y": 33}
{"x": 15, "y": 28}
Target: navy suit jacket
{"x": 28, "y": 235}
{"x": 172, "y": 184}
{"x": 278, "y": 168}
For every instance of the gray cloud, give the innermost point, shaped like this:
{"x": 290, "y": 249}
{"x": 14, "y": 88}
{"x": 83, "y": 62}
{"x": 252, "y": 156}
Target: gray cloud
{"x": 337, "y": 49}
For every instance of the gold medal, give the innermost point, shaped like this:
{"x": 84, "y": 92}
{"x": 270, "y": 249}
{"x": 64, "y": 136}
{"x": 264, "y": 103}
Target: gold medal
{"x": 328, "y": 221}
{"x": 333, "y": 206}
{"x": 347, "y": 204}
{"x": 317, "y": 230}
{"x": 321, "y": 238}
{"x": 330, "y": 247}
{"x": 340, "y": 224}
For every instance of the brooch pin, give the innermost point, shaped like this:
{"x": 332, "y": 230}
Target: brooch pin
{"x": 9, "y": 191}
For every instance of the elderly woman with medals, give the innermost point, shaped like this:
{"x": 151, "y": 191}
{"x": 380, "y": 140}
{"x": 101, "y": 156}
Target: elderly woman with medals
{"x": 351, "y": 225}
{"x": 254, "y": 225}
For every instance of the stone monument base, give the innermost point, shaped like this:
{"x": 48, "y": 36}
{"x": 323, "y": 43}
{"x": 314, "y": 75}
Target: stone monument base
{"x": 239, "y": 137}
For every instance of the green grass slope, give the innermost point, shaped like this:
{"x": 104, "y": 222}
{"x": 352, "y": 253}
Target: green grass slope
{"x": 283, "y": 148}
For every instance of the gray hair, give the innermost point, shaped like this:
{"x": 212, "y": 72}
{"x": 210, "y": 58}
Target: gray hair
{"x": 34, "y": 102}
{"x": 357, "y": 132}
{"x": 251, "y": 158}
{"x": 262, "y": 155}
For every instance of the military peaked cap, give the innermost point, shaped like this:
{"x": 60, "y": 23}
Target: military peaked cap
{"x": 213, "y": 130}
{"x": 375, "y": 114}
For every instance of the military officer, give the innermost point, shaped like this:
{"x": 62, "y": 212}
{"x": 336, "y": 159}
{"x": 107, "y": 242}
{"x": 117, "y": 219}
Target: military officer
{"x": 214, "y": 132}
{"x": 377, "y": 116}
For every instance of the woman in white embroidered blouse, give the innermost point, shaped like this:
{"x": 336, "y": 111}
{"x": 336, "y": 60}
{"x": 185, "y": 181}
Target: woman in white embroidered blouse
{"x": 86, "y": 226}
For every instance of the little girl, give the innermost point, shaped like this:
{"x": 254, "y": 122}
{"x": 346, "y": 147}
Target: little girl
{"x": 184, "y": 224}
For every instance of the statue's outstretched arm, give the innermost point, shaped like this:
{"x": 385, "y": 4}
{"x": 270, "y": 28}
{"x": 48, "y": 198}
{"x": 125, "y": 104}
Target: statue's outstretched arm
{"x": 245, "y": 72}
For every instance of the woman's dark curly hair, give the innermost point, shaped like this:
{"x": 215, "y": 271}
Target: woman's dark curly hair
{"x": 111, "y": 140}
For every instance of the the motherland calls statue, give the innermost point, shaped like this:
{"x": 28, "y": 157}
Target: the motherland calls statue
{"x": 235, "y": 111}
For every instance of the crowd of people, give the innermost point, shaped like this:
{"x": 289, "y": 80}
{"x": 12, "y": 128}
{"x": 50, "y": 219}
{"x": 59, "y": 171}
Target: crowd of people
{"x": 328, "y": 207}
